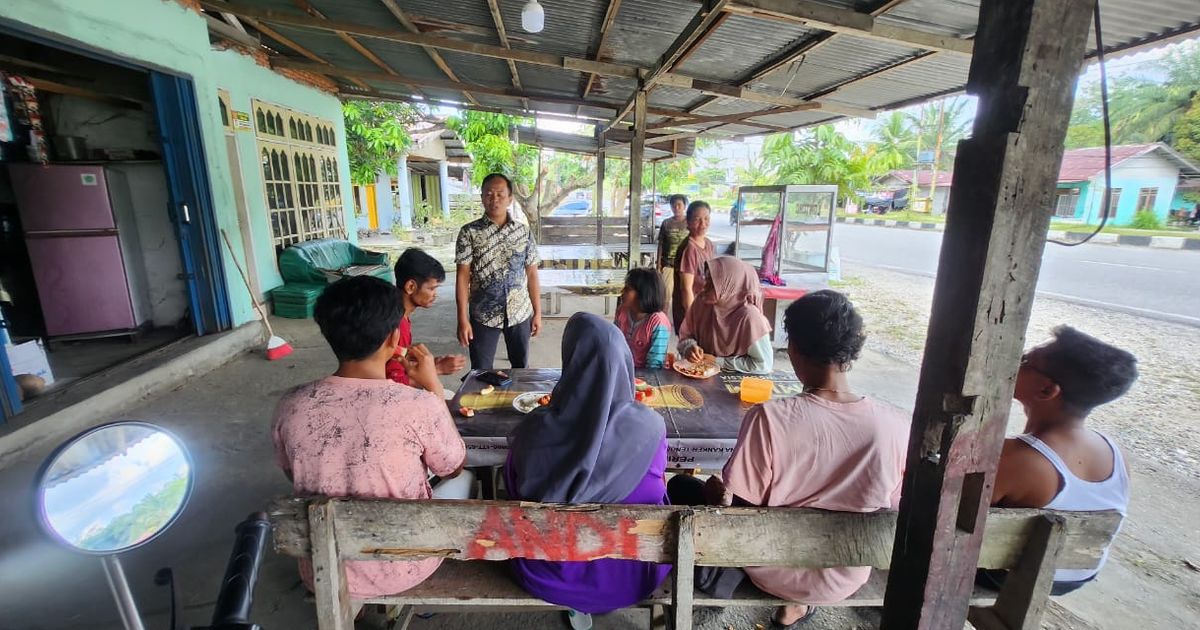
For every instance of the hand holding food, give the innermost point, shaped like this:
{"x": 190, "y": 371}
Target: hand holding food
{"x": 419, "y": 363}
{"x": 696, "y": 354}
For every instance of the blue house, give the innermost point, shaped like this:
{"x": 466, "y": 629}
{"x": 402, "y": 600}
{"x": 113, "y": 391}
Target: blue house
{"x": 1144, "y": 177}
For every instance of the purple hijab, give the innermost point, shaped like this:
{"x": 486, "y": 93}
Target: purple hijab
{"x": 592, "y": 443}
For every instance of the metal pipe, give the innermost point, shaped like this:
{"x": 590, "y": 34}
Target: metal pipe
{"x": 121, "y": 593}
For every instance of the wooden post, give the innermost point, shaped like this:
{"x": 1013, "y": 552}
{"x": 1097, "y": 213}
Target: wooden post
{"x": 600, "y": 159}
{"x": 329, "y": 574}
{"x": 1026, "y": 590}
{"x": 1027, "y": 56}
{"x": 637, "y": 151}
{"x": 684, "y": 573}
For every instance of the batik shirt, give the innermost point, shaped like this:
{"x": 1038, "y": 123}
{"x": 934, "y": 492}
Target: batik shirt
{"x": 498, "y": 255}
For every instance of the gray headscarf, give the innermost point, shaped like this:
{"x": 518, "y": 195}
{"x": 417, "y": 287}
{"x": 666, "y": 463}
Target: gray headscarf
{"x": 592, "y": 443}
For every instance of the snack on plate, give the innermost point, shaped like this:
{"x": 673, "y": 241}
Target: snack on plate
{"x": 640, "y": 385}
{"x": 696, "y": 369}
{"x": 643, "y": 395}
{"x": 466, "y": 412}
{"x": 486, "y": 391}
{"x": 544, "y": 400}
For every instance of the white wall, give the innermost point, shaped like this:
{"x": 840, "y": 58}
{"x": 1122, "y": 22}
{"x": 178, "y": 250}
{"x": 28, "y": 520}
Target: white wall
{"x": 102, "y": 125}
{"x": 160, "y": 249}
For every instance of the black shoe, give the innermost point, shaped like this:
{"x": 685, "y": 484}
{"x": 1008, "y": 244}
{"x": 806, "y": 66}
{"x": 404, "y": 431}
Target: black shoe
{"x": 775, "y": 625}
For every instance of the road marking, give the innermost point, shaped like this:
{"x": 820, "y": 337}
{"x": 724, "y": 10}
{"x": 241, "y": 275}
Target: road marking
{"x": 1112, "y": 264}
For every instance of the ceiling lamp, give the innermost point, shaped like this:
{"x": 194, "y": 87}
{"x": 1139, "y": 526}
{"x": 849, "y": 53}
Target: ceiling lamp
{"x": 533, "y": 17}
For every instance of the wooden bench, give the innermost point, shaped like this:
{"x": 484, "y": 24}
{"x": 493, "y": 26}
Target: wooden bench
{"x": 1030, "y": 543}
{"x": 607, "y": 231}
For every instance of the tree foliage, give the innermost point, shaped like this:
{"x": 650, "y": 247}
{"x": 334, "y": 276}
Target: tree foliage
{"x": 376, "y": 136}
{"x": 487, "y": 137}
{"x": 822, "y": 155}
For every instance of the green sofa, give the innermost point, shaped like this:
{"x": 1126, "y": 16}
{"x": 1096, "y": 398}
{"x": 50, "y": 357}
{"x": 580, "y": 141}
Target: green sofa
{"x": 307, "y": 268}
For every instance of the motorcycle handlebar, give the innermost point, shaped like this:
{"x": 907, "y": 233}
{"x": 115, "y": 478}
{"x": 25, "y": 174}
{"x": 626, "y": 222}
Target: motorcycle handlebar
{"x": 237, "y": 589}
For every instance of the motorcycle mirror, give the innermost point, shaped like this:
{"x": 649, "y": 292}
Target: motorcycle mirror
{"x": 113, "y": 488}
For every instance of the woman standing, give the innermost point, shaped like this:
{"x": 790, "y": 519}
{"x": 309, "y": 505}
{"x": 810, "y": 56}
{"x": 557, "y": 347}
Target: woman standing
{"x": 689, "y": 262}
{"x": 591, "y": 444}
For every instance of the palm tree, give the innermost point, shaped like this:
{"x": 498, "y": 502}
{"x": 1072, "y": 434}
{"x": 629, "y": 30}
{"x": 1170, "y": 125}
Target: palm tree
{"x": 895, "y": 142}
{"x": 821, "y": 156}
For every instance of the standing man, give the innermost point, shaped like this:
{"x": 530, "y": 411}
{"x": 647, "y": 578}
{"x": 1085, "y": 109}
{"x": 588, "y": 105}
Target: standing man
{"x": 673, "y": 233}
{"x": 497, "y": 283}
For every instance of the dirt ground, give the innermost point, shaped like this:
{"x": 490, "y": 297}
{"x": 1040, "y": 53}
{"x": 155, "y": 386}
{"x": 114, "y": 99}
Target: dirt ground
{"x": 1152, "y": 579}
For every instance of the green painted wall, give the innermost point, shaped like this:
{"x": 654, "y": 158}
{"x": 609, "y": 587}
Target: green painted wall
{"x": 163, "y": 35}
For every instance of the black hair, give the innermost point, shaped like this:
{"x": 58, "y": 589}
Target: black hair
{"x": 825, "y": 327}
{"x": 648, "y": 283}
{"x": 414, "y": 264}
{"x": 357, "y": 314}
{"x": 1088, "y": 371}
{"x": 695, "y": 207}
{"x": 673, "y": 198}
{"x": 492, "y": 176}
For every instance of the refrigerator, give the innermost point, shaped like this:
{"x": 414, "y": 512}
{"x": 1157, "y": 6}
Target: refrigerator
{"x": 80, "y": 228}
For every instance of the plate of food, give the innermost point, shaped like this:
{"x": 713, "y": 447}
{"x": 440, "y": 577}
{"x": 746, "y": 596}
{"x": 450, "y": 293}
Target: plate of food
{"x": 705, "y": 369}
{"x": 529, "y": 401}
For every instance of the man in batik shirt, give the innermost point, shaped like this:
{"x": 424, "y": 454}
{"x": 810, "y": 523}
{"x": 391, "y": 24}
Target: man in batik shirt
{"x": 497, "y": 288}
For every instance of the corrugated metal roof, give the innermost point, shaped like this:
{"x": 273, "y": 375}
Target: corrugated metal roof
{"x": 644, "y": 29}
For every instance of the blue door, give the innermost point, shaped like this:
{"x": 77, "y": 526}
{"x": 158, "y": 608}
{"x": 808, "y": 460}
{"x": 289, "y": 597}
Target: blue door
{"x": 10, "y": 399}
{"x": 191, "y": 211}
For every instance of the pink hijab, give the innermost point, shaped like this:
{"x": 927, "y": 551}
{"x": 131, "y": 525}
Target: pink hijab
{"x": 730, "y": 326}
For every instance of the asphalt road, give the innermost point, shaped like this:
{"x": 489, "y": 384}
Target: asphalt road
{"x": 1155, "y": 283}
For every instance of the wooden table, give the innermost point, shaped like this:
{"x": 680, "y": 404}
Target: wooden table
{"x": 702, "y": 416}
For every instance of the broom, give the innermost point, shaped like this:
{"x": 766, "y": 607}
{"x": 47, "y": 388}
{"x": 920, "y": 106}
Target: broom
{"x": 277, "y": 348}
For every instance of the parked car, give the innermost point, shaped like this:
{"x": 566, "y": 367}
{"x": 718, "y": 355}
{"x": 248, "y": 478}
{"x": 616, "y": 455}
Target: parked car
{"x": 886, "y": 201}
{"x": 578, "y": 208}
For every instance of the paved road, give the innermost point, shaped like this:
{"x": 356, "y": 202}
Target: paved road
{"x": 1161, "y": 284}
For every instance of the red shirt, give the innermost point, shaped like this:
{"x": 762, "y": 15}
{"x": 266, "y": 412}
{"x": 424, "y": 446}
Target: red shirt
{"x": 395, "y": 368}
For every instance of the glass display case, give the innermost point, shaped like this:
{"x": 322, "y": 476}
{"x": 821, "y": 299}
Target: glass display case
{"x": 788, "y": 228}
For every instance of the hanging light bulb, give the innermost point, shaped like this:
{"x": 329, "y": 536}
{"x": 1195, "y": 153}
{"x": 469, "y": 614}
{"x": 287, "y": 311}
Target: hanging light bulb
{"x": 533, "y": 17}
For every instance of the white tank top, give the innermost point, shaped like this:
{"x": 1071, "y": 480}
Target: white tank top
{"x": 1080, "y": 495}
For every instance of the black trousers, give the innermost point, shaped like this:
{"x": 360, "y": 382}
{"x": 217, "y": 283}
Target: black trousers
{"x": 483, "y": 346}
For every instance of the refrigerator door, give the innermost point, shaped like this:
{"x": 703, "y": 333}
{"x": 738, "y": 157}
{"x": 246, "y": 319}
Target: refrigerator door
{"x": 81, "y": 284}
{"x": 62, "y": 198}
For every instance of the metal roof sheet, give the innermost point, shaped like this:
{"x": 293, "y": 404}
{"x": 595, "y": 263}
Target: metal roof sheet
{"x": 864, "y": 73}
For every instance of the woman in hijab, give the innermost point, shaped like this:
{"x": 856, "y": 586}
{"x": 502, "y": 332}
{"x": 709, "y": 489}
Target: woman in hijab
{"x": 591, "y": 444}
{"x": 726, "y": 320}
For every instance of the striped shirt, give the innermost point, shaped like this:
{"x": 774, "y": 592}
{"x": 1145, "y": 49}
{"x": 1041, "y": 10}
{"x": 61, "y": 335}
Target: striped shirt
{"x": 647, "y": 338}
{"x": 498, "y": 256}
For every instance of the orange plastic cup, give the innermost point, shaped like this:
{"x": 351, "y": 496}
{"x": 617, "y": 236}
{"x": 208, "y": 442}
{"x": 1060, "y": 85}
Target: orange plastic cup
{"x": 756, "y": 390}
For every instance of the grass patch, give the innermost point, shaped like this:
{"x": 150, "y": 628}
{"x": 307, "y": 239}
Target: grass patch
{"x": 902, "y": 215}
{"x": 848, "y": 282}
{"x": 1128, "y": 231}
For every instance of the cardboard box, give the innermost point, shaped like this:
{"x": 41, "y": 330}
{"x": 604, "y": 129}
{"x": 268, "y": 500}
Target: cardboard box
{"x": 30, "y": 358}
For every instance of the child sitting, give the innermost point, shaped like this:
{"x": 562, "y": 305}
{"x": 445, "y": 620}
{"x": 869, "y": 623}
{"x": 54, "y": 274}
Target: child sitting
{"x": 641, "y": 319}
{"x": 418, "y": 276}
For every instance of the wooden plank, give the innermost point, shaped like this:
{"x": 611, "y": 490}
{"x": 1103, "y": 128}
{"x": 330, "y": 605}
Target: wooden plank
{"x": 683, "y": 576}
{"x": 1026, "y": 591}
{"x": 329, "y": 574}
{"x": 498, "y": 19}
{"x": 1029, "y": 56}
{"x": 837, "y": 20}
{"x": 434, "y": 55}
{"x": 370, "y": 529}
{"x": 637, "y": 154}
{"x": 610, "y": 15}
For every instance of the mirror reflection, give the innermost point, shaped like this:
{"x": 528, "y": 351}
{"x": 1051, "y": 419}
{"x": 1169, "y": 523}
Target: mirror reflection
{"x": 115, "y": 487}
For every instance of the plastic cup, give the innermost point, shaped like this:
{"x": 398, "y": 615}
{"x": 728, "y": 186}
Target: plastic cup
{"x": 756, "y": 390}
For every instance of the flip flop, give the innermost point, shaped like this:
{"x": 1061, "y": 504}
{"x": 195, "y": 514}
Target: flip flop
{"x": 775, "y": 625}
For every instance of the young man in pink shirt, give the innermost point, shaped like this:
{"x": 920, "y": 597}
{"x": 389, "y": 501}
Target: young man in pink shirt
{"x": 828, "y": 448}
{"x": 358, "y": 434}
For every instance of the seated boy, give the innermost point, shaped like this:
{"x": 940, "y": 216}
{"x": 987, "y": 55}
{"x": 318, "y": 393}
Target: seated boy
{"x": 828, "y": 448}
{"x": 1058, "y": 463}
{"x": 358, "y": 434}
{"x": 418, "y": 276}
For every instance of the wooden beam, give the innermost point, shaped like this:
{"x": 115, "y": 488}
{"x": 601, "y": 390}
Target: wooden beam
{"x": 610, "y": 16}
{"x": 228, "y": 31}
{"x": 657, "y": 140}
{"x": 703, "y": 38}
{"x": 434, "y": 55}
{"x": 304, "y": 5}
{"x": 375, "y": 95}
{"x": 1030, "y": 52}
{"x": 286, "y": 41}
{"x": 737, "y": 117}
{"x": 705, "y": 19}
{"x": 838, "y": 20}
{"x": 55, "y": 87}
{"x": 494, "y": 6}
{"x": 637, "y": 153}
{"x": 524, "y": 56}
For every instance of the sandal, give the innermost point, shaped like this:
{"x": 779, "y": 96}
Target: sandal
{"x": 775, "y": 625}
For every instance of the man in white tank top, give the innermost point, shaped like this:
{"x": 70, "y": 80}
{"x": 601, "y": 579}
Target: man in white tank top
{"x": 1058, "y": 463}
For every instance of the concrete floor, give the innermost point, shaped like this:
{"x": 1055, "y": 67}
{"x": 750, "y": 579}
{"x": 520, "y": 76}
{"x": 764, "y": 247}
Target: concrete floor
{"x": 224, "y": 417}
{"x": 72, "y": 360}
